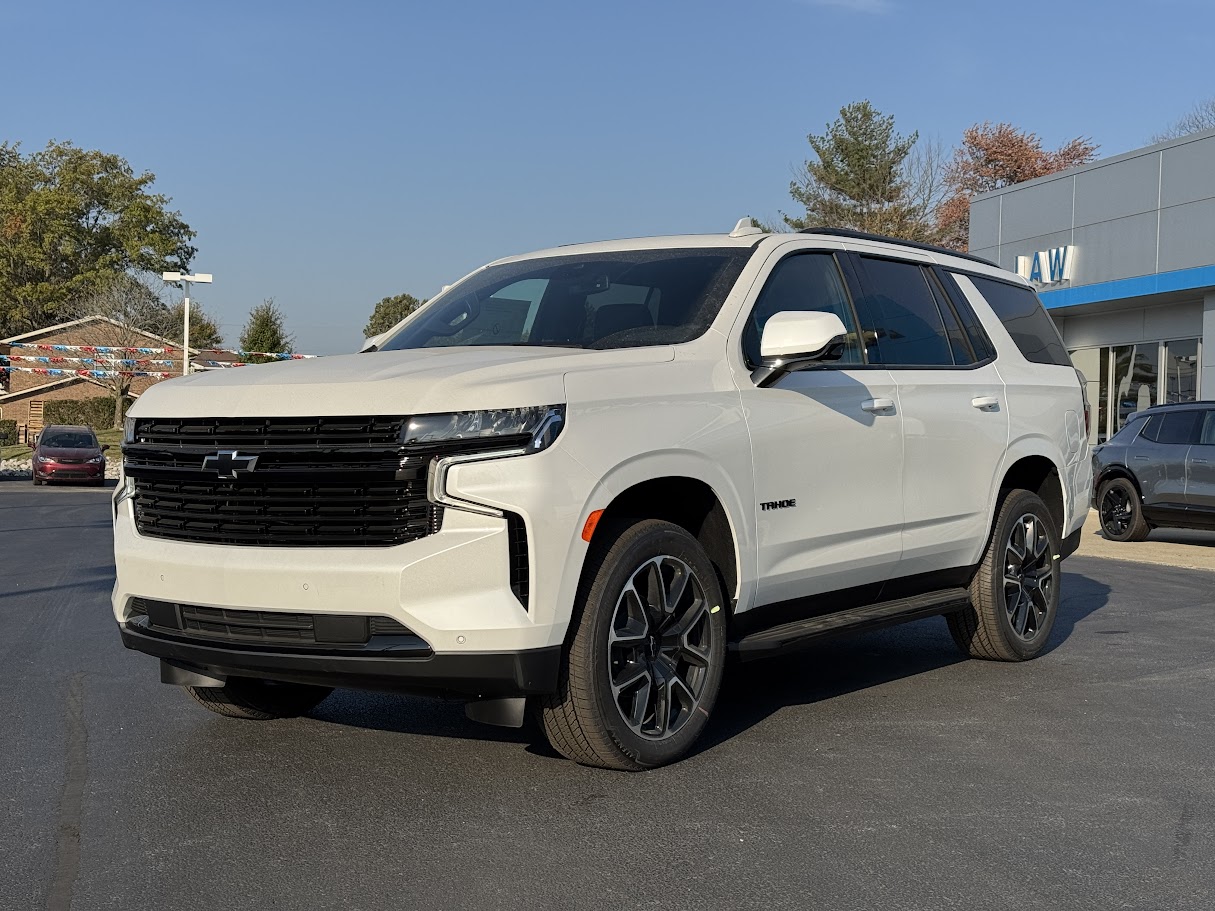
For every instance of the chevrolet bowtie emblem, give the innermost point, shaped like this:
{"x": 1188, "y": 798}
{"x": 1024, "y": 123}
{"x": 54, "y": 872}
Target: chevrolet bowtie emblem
{"x": 228, "y": 462}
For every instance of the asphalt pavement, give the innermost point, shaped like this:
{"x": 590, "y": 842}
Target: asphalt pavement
{"x": 880, "y": 772}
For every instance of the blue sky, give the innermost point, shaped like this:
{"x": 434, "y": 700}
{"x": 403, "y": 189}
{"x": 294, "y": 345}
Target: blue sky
{"x": 329, "y": 154}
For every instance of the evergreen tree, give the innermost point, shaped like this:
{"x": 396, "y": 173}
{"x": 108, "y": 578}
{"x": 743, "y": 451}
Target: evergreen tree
{"x": 266, "y": 331}
{"x": 860, "y": 178}
{"x": 390, "y": 311}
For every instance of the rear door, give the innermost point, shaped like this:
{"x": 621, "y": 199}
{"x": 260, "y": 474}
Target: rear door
{"x": 955, "y": 420}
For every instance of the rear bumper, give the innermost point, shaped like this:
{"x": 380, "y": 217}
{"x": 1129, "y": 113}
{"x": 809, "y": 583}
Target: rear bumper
{"x": 462, "y": 674}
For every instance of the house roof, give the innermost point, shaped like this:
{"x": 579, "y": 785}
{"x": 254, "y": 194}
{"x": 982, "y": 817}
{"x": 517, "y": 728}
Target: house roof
{"x": 60, "y": 327}
{"x": 56, "y": 384}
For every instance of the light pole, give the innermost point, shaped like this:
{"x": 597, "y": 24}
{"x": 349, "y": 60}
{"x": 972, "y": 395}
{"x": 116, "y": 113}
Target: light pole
{"x": 205, "y": 278}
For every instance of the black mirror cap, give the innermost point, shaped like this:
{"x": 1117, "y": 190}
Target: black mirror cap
{"x": 771, "y": 369}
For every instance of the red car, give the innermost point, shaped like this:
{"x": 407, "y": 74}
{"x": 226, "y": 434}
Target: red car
{"x": 67, "y": 453}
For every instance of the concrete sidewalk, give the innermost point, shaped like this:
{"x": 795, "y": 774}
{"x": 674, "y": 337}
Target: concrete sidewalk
{"x": 1164, "y": 547}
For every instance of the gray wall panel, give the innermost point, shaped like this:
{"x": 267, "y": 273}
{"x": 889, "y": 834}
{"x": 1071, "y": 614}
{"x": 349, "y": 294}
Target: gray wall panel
{"x": 1033, "y": 211}
{"x": 1117, "y": 190}
{"x": 1123, "y": 248}
{"x": 1187, "y": 235}
{"x": 1189, "y": 172}
{"x": 1174, "y": 321}
{"x": 1123, "y": 327}
{"x": 985, "y": 223}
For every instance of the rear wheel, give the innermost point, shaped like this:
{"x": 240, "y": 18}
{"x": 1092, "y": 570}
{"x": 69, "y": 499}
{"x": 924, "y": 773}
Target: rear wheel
{"x": 1014, "y": 595}
{"x": 643, "y": 670}
{"x": 259, "y": 700}
{"x": 1120, "y": 510}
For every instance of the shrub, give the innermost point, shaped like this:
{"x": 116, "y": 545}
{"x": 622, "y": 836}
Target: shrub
{"x": 97, "y": 413}
{"x": 8, "y": 433}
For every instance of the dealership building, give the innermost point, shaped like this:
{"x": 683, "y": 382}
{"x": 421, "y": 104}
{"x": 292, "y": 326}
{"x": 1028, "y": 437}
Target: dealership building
{"x": 1122, "y": 252}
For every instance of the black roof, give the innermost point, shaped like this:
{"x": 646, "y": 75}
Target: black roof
{"x": 882, "y": 238}
{"x": 1206, "y": 403}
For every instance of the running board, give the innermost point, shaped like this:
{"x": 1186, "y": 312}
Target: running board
{"x": 871, "y": 616}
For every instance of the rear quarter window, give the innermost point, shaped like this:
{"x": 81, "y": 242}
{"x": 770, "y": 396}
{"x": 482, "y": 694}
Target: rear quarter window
{"x": 1022, "y": 314}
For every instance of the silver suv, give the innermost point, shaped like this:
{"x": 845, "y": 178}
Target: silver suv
{"x": 1157, "y": 471}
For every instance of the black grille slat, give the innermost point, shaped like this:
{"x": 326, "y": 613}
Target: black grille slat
{"x": 266, "y": 627}
{"x": 520, "y": 581}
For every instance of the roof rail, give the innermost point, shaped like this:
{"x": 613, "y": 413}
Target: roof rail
{"x": 882, "y": 238}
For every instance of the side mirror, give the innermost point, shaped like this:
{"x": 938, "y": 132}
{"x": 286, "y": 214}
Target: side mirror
{"x": 795, "y": 340}
{"x": 372, "y": 343}
{"x": 105, "y": 446}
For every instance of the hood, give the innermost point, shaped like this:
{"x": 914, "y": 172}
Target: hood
{"x": 419, "y": 381}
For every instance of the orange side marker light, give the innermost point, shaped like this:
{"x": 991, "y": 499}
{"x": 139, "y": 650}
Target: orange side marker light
{"x": 588, "y": 530}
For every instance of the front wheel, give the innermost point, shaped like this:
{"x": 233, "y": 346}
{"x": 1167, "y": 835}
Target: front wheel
{"x": 259, "y": 700}
{"x": 642, "y": 672}
{"x": 1121, "y": 511}
{"x": 1014, "y": 595}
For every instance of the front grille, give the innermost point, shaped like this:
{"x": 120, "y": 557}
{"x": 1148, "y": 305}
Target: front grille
{"x": 272, "y": 628}
{"x": 318, "y": 482}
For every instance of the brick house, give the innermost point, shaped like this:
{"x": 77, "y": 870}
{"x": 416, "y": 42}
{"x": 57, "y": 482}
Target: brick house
{"x": 22, "y": 394}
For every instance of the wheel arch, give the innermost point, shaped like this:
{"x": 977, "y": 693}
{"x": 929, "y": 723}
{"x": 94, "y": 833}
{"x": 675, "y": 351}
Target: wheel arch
{"x": 1110, "y": 472}
{"x": 1041, "y": 475}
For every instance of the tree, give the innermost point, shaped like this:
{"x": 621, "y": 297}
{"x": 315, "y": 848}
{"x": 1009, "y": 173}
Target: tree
{"x": 994, "y": 156}
{"x": 1200, "y": 117}
{"x": 132, "y": 310}
{"x": 265, "y": 331}
{"x": 862, "y": 178}
{"x": 70, "y": 221}
{"x": 204, "y": 330}
{"x": 390, "y": 311}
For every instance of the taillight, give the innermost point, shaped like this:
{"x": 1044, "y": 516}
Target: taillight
{"x": 1084, "y": 396}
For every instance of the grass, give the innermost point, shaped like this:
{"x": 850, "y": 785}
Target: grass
{"x": 22, "y": 452}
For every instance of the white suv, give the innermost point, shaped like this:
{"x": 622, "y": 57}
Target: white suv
{"x": 579, "y": 480}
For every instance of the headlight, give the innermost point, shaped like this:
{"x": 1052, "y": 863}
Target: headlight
{"x": 96, "y": 460}
{"x": 43, "y": 460}
{"x": 539, "y": 424}
{"x": 128, "y": 431}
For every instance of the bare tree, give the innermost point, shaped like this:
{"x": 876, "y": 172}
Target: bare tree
{"x": 134, "y": 315}
{"x": 1200, "y": 117}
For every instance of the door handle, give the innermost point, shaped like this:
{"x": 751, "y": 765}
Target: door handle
{"x": 1199, "y": 461}
{"x": 1141, "y": 458}
{"x": 985, "y": 401}
{"x": 872, "y": 405}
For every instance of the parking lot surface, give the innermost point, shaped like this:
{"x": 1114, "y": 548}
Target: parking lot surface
{"x": 881, "y": 771}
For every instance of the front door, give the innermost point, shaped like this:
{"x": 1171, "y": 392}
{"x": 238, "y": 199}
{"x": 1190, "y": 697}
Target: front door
{"x": 827, "y": 446}
{"x": 1200, "y": 473}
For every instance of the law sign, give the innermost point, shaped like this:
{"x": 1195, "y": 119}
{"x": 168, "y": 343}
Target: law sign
{"x": 1048, "y": 267}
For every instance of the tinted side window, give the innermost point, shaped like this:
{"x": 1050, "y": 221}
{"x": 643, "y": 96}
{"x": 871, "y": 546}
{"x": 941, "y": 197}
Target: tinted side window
{"x": 1176, "y": 427}
{"x": 904, "y": 325}
{"x": 1022, "y": 315}
{"x": 979, "y": 341}
{"x": 1129, "y": 431}
{"x": 1207, "y": 436}
{"x": 804, "y": 281}
{"x": 959, "y": 345}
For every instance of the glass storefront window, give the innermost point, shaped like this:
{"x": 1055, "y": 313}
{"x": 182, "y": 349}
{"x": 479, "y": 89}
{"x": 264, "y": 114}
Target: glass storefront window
{"x": 1181, "y": 370}
{"x": 1135, "y": 380}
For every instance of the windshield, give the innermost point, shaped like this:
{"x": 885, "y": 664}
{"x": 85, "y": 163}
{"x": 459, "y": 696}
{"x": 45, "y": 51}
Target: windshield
{"x": 607, "y": 300}
{"x": 65, "y": 439}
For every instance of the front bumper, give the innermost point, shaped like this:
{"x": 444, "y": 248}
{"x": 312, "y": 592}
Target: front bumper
{"x": 466, "y": 674}
{"x": 72, "y": 471}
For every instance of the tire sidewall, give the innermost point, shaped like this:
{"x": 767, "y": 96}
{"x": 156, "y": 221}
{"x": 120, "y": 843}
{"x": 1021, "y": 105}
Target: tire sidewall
{"x": 1022, "y": 503}
{"x": 632, "y": 548}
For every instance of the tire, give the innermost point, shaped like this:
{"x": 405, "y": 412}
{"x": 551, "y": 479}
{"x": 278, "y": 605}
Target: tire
{"x": 1014, "y": 596}
{"x": 1120, "y": 510}
{"x": 38, "y": 482}
{"x": 259, "y": 700}
{"x": 630, "y": 697}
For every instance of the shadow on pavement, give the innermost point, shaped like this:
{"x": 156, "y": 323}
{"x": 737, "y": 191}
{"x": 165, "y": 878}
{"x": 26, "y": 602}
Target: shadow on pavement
{"x": 751, "y": 692}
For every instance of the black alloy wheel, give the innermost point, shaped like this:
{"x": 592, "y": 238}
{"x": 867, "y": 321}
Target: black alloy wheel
{"x": 1120, "y": 511}
{"x": 1028, "y": 576}
{"x": 660, "y": 645}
